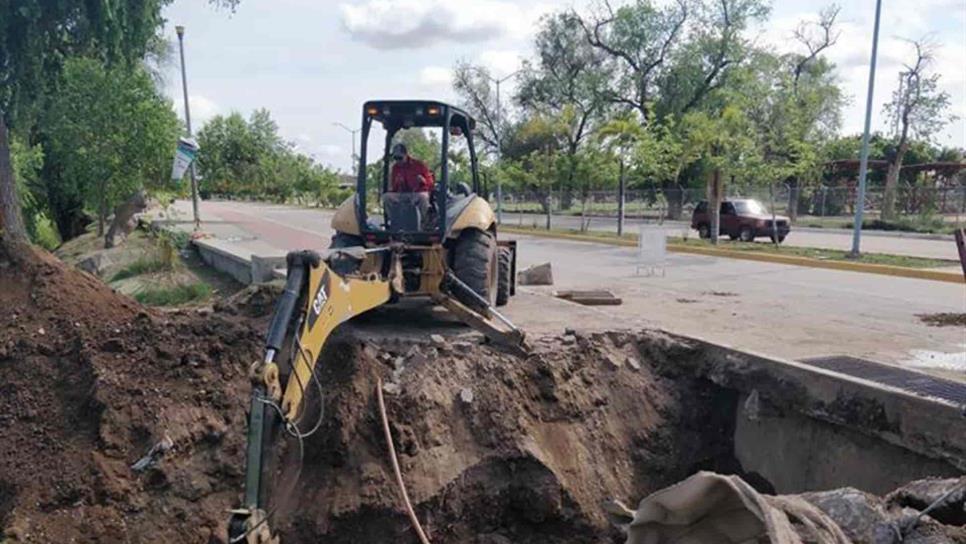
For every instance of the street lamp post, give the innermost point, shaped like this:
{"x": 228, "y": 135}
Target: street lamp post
{"x": 353, "y": 131}
{"x": 864, "y": 156}
{"x": 187, "y": 120}
{"x": 499, "y": 143}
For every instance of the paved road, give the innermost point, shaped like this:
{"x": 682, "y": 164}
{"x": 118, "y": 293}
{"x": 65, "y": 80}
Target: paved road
{"x": 877, "y": 242}
{"x": 775, "y": 309}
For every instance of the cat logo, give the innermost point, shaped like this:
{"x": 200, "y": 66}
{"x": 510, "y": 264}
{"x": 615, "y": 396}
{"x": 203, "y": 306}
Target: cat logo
{"x": 319, "y": 301}
{"x": 321, "y": 297}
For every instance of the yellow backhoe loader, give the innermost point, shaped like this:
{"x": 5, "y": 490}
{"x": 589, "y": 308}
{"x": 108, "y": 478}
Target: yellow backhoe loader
{"x": 446, "y": 252}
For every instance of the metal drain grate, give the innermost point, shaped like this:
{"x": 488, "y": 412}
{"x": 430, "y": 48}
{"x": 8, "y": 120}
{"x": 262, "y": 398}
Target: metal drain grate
{"x": 900, "y": 378}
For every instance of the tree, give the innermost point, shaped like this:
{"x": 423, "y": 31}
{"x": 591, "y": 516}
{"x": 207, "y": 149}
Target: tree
{"x": 248, "y": 158}
{"x": 110, "y": 132}
{"x": 619, "y": 136}
{"x": 665, "y": 62}
{"x": 720, "y": 140}
{"x": 638, "y": 39}
{"x": 565, "y": 82}
{"x": 473, "y": 85}
{"x": 36, "y": 36}
{"x": 917, "y": 109}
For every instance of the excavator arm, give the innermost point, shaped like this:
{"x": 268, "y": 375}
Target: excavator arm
{"x": 327, "y": 300}
{"x": 315, "y": 301}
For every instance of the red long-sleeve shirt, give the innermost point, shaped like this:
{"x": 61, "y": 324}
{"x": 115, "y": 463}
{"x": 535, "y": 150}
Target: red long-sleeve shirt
{"x": 405, "y": 177}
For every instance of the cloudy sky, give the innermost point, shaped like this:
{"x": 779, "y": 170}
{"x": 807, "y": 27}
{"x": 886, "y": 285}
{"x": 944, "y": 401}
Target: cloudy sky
{"x": 313, "y": 62}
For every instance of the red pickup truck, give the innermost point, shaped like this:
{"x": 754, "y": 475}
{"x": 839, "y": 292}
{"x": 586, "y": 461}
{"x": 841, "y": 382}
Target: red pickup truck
{"x": 741, "y": 219}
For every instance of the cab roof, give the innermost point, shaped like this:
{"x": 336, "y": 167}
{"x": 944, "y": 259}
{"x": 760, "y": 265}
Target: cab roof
{"x": 415, "y": 113}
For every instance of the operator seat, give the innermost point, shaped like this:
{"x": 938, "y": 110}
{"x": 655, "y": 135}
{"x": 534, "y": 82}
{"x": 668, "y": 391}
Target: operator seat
{"x": 405, "y": 211}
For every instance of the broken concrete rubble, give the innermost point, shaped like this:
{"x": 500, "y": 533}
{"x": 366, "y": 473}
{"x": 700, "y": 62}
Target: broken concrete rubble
{"x": 539, "y": 274}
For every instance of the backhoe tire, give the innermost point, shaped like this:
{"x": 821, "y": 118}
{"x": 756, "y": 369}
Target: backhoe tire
{"x": 504, "y": 281}
{"x": 344, "y": 265}
{"x": 475, "y": 264}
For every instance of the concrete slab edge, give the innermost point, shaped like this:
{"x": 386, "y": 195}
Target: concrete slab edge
{"x": 929, "y": 426}
{"x": 881, "y": 269}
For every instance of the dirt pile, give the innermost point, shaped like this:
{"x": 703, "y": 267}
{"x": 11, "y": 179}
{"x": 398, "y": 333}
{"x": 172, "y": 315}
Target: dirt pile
{"x": 90, "y": 382}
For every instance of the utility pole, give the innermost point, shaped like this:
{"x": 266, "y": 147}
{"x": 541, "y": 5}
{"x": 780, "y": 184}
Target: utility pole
{"x": 864, "y": 156}
{"x": 355, "y": 167}
{"x": 499, "y": 143}
{"x": 187, "y": 121}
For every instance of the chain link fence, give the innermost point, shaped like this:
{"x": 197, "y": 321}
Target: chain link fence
{"x": 917, "y": 208}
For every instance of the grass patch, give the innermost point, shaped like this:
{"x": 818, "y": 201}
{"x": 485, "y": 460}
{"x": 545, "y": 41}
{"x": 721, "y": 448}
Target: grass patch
{"x": 821, "y": 253}
{"x": 923, "y": 224}
{"x": 141, "y": 266}
{"x": 763, "y": 247}
{"x": 174, "y": 295}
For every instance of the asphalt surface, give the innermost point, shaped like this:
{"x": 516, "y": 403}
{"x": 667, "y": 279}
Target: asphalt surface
{"x": 871, "y": 242}
{"x": 787, "y": 311}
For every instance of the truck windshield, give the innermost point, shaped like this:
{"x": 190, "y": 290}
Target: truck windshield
{"x": 750, "y": 207}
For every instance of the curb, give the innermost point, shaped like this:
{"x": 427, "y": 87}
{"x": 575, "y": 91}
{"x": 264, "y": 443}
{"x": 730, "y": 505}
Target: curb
{"x": 881, "y": 269}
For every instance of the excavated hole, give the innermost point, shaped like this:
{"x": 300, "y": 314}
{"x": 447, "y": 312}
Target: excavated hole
{"x": 530, "y": 459}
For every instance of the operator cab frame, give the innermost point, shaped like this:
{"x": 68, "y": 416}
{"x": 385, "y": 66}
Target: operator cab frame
{"x": 396, "y": 115}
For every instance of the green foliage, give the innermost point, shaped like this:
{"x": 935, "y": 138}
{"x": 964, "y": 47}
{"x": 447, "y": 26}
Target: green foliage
{"x": 27, "y": 163}
{"x": 109, "y": 132}
{"x": 173, "y": 296}
{"x": 43, "y": 232}
{"x": 144, "y": 265}
{"x": 248, "y": 159}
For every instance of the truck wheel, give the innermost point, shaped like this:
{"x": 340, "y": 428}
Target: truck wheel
{"x": 780, "y": 238}
{"x": 746, "y": 234}
{"x": 504, "y": 280}
{"x": 704, "y": 231}
{"x": 475, "y": 264}
{"x": 344, "y": 265}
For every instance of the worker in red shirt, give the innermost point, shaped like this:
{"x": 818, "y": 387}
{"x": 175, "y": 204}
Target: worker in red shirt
{"x": 411, "y": 184}
{"x": 409, "y": 175}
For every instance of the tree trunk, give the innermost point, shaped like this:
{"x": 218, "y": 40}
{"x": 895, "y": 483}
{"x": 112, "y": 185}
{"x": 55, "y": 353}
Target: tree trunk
{"x": 124, "y": 223}
{"x": 11, "y": 220}
{"x": 714, "y": 204}
{"x": 101, "y": 216}
{"x": 793, "y": 199}
{"x": 675, "y": 199}
{"x": 892, "y": 184}
{"x": 621, "y": 190}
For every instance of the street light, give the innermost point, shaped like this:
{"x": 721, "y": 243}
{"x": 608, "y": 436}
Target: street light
{"x": 499, "y": 143}
{"x": 864, "y": 156}
{"x": 352, "y": 131}
{"x": 187, "y": 121}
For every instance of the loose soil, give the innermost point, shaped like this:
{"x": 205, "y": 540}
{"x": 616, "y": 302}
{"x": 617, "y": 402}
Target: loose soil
{"x": 943, "y": 319}
{"x": 495, "y": 448}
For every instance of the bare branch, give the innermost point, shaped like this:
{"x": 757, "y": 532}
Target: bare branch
{"x": 827, "y": 37}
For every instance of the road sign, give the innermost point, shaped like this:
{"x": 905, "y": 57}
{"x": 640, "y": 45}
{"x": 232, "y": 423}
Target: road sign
{"x": 183, "y": 157}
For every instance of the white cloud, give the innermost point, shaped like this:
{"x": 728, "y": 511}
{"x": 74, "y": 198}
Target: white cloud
{"x": 501, "y": 62}
{"x": 202, "y": 108}
{"x": 436, "y": 76}
{"x": 402, "y": 24}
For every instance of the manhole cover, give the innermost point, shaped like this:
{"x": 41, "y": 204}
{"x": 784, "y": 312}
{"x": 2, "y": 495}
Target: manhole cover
{"x": 900, "y": 378}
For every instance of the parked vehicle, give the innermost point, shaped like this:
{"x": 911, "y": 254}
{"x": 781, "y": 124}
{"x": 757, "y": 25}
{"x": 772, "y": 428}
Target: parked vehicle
{"x": 741, "y": 219}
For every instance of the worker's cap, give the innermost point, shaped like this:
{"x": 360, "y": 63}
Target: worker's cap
{"x": 399, "y": 150}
